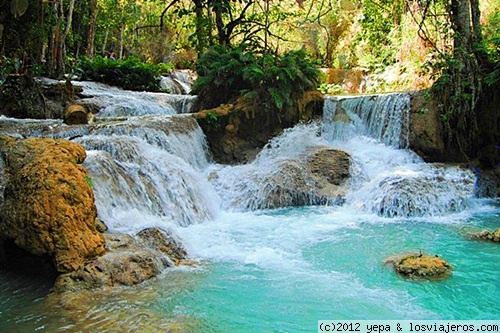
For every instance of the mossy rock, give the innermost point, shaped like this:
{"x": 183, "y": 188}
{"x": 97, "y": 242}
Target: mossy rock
{"x": 492, "y": 236}
{"x": 420, "y": 266}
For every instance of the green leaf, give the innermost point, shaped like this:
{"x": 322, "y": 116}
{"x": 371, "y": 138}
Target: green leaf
{"x": 18, "y": 7}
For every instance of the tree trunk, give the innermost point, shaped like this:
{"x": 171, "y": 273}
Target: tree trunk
{"x": 461, "y": 94}
{"x": 93, "y": 10}
{"x": 61, "y": 49}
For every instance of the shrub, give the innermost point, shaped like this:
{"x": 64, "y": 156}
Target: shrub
{"x": 131, "y": 74}
{"x": 271, "y": 80}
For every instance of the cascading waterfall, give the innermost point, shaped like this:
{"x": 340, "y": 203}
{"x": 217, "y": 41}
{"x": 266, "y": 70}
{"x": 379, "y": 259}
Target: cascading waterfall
{"x": 115, "y": 102}
{"x": 385, "y": 118}
{"x": 277, "y": 177}
{"x": 130, "y": 175}
{"x": 178, "y": 82}
{"x": 264, "y": 269}
{"x": 393, "y": 182}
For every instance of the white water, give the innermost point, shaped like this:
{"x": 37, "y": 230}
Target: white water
{"x": 116, "y": 102}
{"x": 277, "y": 270}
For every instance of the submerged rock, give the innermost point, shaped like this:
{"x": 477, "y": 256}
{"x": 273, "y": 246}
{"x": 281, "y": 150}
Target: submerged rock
{"x": 317, "y": 177}
{"x": 127, "y": 261}
{"x": 48, "y": 206}
{"x": 493, "y": 236}
{"x": 420, "y": 266}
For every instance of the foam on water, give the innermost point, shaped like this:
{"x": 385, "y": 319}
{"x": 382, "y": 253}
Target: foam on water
{"x": 279, "y": 270}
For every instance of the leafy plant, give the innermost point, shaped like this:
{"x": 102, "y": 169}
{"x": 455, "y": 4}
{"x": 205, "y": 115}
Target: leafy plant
{"x": 271, "y": 80}
{"x": 130, "y": 74}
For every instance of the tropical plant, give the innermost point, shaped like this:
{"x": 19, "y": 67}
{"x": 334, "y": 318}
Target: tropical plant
{"x": 129, "y": 74}
{"x": 274, "y": 81}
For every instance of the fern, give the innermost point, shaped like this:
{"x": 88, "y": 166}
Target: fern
{"x": 274, "y": 81}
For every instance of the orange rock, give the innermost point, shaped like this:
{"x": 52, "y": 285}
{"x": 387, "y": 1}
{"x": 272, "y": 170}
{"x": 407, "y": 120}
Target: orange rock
{"x": 49, "y": 205}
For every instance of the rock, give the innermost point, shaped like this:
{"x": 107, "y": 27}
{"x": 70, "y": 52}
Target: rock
{"x": 100, "y": 225}
{"x": 235, "y": 131}
{"x": 21, "y": 97}
{"x": 127, "y": 261}
{"x": 331, "y": 169}
{"x": 48, "y": 203}
{"x": 421, "y": 266}
{"x": 426, "y": 133}
{"x": 75, "y": 114}
{"x": 124, "y": 263}
{"x": 351, "y": 80}
{"x": 492, "y": 236}
{"x": 316, "y": 178}
{"x": 164, "y": 242}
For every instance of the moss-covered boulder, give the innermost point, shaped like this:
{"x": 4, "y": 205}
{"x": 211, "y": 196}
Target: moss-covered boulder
{"x": 48, "y": 204}
{"x": 236, "y": 132}
{"x": 421, "y": 266}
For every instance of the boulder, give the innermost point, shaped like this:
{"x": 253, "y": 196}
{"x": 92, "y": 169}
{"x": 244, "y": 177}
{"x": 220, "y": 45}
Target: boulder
{"x": 48, "y": 205}
{"x": 420, "y": 266}
{"x": 236, "y": 132}
{"x": 164, "y": 242}
{"x": 317, "y": 177}
{"x": 426, "y": 132}
{"x": 127, "y": 261}
{"x": 492, "y": 236}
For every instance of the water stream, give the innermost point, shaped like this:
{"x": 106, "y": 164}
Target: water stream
{"x": 274, "y": 270}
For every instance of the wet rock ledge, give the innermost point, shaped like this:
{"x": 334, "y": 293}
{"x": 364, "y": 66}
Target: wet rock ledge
{"x": 48, "y": 222}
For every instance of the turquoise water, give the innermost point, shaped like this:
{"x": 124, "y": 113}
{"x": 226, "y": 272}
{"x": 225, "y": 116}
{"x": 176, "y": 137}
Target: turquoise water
{"x": 282, "y": 271}
{"x": 277, "y": 270}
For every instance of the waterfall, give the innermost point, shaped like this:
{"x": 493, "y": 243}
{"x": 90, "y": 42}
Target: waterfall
{"x": 116, "y": 102}
{"x": 382, "y": 117}
{"x": 159, "y": 164}
{"x": 150, "y": 165}
{"x": 390, "y": 181}
{"x": 178, "y": 82}
{"x": 129, "y": 175}
{"x": 278, "y": 177}
{"x": 145, "y": 170}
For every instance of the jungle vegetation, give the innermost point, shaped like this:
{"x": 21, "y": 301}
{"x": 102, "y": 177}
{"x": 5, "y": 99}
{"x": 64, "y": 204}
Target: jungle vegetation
{"x": 452, "y": 46}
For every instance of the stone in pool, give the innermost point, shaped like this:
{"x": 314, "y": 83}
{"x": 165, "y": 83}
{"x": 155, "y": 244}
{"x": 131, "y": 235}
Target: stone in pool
{"x": 421, "y": 266}
{"x": 493, "y": 236}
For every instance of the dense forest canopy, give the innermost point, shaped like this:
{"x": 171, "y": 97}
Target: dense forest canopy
{"x": 452, "y": 46}
{"x": 402, "y": 42}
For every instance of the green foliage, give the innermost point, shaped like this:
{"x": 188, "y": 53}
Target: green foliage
{"x": 89, "y": 181}
{"x": 271, "y": 80}
{"x": 130, "y": 74}
{"x": 213, "y": 120}
{"x": 332, "y": 89}
{"x": 18, "y": 7}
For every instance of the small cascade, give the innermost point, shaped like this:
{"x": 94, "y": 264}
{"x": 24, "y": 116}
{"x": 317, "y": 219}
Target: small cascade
{"x": 131, "y": 178}
{"x": 382, "y": 117}
{"x": 115, "y": 102}
{"x": 390, "y": 181}
{"x": 178, "y": 82}
{"x": 279, "y": 176}
{"x": 179, "y": 135}
{"x": 429, "y": 190}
